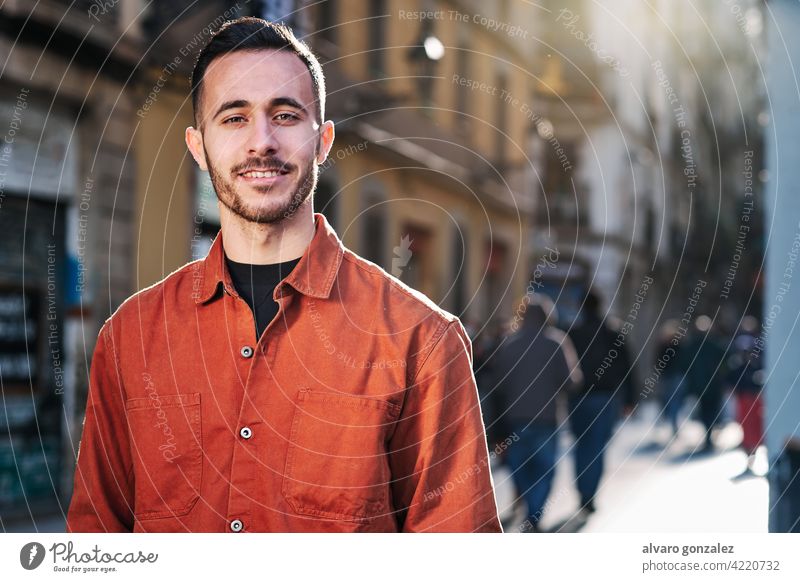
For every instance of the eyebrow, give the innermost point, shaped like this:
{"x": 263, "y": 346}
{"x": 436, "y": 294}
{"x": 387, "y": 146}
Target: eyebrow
{"x": 276, "y": 102}
{"x": 235, "y": 104}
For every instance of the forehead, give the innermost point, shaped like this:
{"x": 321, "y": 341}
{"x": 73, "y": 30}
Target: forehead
{"x": 258, "y": 77}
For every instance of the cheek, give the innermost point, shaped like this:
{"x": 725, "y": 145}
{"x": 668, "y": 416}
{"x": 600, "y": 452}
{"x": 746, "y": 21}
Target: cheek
{"x": 219, "y": 154}
{"x": 300, "y": 145}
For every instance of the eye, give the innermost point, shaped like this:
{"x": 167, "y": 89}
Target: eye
{"x": 234, "y": 119}
{"x": 287, "y": 116}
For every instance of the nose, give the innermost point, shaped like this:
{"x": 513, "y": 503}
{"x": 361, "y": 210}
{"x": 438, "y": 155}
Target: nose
{"x": 262, "y": 139}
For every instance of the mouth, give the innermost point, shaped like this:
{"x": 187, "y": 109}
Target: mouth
{"x": 263, "y": 176}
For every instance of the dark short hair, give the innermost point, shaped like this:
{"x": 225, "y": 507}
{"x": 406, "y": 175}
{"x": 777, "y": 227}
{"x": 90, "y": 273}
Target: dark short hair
{"x": 591, "y": 303}
{"x": 540, "y": 311}
{"x": 254, "y": 34}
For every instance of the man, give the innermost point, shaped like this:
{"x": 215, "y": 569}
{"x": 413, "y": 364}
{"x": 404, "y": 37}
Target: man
{"x": 535, "y": 367}
{"x": 282, "y": 383}
{"x": 670, "y": 358}
{"x": 595, "y": 408}
{"x": 706, "y": 374}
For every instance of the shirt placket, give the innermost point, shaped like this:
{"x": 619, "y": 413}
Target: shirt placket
{"x": 240, "y": 490}
{"x": 251, "y": 428}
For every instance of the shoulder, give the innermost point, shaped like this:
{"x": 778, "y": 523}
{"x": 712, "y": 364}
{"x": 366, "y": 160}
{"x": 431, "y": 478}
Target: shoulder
{"x": 393, "y": 305}
{"x": 557, "y": 337}
{"x": 394, "y": 294}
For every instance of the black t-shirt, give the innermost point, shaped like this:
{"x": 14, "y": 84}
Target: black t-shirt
{"x": 255, "y": 284}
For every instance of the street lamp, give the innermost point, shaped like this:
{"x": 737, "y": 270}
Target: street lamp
{"x": 424, "y": 55}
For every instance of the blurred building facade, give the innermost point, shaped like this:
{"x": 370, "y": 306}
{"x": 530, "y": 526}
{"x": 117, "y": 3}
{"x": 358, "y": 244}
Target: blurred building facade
{"x": 67, "y": 192}
{"x": 665, "y": 150}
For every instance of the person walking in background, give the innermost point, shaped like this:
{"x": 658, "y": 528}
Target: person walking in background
{"x": 746, "y": 379}
{"x": 533, "y": 367}
{"x": 705, "y": 375}
{"x": 595, "y": 408}
{"x": 484, "y": 347}
{"x": 672, "y": 383}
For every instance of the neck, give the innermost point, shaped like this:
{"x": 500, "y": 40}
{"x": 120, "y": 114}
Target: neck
{"x": 266, "y": 244}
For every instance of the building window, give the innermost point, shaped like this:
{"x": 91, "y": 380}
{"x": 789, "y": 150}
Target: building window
{"x": 563, "y": 202}
{"x": 374, "y": 225}
{"x": 459, "y": 264}
{"x": 500, "y": 120}
{"x": 462, "y": 93}
{"x": 376, "y": 27}
{"x": 495, "y": 280}
{"x": 328, "y": 20}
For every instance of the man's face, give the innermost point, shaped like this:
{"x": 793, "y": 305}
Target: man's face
{"x": 259, "y": 137}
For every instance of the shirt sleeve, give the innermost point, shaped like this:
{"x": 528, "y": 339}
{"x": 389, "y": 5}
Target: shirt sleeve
{"x": 102, "y": 499}
{"x": 441, "y": 477}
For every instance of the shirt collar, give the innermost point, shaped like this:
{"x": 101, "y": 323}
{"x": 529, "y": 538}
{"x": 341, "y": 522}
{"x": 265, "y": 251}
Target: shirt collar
{"x": 313, "y": 276}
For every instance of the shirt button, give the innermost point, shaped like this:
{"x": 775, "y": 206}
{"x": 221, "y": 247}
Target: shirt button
{"x": 246, "y": 433}
{"x": 246, "y": 351}
{"x": 237, "y": 525}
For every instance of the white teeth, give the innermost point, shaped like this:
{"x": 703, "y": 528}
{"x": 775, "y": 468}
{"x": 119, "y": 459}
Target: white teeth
{"x": 261, "y": 174}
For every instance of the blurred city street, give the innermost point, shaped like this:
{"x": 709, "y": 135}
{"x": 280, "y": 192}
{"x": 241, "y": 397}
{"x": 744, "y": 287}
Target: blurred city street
{"x": 654, "y": 484}
{"x": 599, "y": 195}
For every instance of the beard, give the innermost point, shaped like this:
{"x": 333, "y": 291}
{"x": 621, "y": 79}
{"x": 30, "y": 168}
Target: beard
{"x": 274, "y": 207}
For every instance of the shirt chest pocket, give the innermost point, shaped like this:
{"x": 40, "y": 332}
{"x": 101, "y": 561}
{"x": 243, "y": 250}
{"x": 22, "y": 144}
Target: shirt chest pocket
{"x": 166, "y": 448}
{"x": 336, "y": 463}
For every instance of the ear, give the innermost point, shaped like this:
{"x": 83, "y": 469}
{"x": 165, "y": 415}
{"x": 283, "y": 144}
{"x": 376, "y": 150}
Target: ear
{"x": 326, "y": 135}
{"x": 194, "y": 141}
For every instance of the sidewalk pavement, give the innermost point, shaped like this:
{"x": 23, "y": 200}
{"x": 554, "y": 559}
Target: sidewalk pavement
{"x": 654, "y": 484}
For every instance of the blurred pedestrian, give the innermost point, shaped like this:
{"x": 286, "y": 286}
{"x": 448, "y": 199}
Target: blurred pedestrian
{"x": 534, "y": 368}
{"x": 484, "y": 346}
{"x": 705, "y": 375}
{"x": 595, "y": 408}
{"x": 672, "y": 384}
{"x": 746, "y": 379}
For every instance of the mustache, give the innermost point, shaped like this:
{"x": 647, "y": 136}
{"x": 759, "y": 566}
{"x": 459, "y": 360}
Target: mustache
{"x": 272, "y": 163}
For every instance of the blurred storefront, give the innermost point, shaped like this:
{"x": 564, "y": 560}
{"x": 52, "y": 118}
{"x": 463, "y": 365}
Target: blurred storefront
{"x": 65, "y": 180}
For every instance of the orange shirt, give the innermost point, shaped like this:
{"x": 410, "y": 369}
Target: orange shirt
{"x": 356, "y": 410}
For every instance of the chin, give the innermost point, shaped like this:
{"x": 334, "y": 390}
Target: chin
{"x": 271, "y": 213}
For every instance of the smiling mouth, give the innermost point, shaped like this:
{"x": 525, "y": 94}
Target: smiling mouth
{"x": 263, "y": 173}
